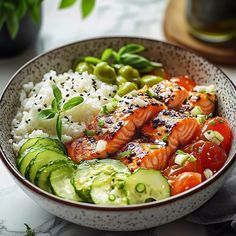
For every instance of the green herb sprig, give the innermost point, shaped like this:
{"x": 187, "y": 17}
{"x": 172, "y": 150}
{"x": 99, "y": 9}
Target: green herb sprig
{"x": 29, "y": 231}
{"x": 126, "y": 55}
{"x": 57, "y": 107}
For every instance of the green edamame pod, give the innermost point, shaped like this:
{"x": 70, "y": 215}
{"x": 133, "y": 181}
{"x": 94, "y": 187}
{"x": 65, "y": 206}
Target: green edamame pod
{"x": 105, "y": 73}
{"x": 120, "y": 80}
{"x": 129, "y": 73}
{"x": 85, "y": 66}
{"x": 126, "y": 88}
{"x": 150, "y": 80}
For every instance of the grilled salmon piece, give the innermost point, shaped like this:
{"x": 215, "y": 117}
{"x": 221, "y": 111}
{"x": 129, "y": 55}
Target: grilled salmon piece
{"x": 171, "y": 94}
{"x": 206, "y": 101}
{"x": 114, "y": 130}
{"x": 168, "y": 131}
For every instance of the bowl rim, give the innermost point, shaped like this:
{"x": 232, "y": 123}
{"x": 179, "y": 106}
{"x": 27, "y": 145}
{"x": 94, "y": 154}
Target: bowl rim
{"x": 88, "y": 206}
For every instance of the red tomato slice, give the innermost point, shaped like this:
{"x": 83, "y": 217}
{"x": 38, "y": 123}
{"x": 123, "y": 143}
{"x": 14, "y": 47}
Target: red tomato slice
{"x": 210, "y": 155}
{"x": 185, "y": 181}
{"x": 220, "y": 125}
{"x": 185, "y": 81}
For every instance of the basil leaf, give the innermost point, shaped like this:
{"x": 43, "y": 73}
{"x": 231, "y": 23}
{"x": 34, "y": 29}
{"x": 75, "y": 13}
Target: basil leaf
{"x": 93, "y": 60}
{"x": 57, "y": 94}
{"x": 59, "y": 127}
{"x": 2, "y": 19}
{"x": 107, "y": 53}
{"x": 138, "y": 62}
{"x": 46, "y": 114}
{"x": 12, "y": 24}
{"x": 131, "y": 48}
{"x": 54, "y": 105}
{"x": 21, "y": 9}
{"x": 87, "y": 7}
{"x": 66, "y": 3}
{"x": 72, "y": 103}
{"x": 35, "y": 12}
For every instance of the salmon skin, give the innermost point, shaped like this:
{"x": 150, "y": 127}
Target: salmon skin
{"x": 171, "y": 94}
{"x": 168, "y": 131}
{"x": 206, "y": 101}
{"x": 115, "y": 129}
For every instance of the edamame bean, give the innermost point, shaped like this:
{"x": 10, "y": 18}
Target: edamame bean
{"x": 129, "y": 73}
{"x": 150, "y": 80}
{"x": 120, "y": 80}
{"x": 85, "y": 66}
{"x": 105, "y": 73}
{"x": 126, "y": 88}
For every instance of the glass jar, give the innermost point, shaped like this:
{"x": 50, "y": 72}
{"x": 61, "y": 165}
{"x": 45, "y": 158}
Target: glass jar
{"x": 212, "y": 20}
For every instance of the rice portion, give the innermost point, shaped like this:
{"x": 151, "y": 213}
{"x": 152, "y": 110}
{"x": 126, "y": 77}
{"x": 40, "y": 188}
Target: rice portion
{"x": 34, "y": 98}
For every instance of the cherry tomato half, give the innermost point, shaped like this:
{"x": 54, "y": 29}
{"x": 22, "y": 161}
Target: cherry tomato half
{"x": 185, "y": 81}
{"x": 220, "y": 125}
{"x": 185, "y": 181}
{"x": 208, "y": 154}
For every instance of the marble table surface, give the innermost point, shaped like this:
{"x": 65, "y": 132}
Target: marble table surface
{"x": 125, "y": 18}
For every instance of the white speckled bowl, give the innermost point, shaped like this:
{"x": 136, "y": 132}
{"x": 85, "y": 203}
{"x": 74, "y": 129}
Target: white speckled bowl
{"x": 177, "y": 61}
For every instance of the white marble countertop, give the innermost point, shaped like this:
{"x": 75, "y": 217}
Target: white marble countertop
{"x": 128, "y": 18}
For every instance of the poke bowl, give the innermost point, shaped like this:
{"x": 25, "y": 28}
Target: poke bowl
{"x": 110, "y": 148}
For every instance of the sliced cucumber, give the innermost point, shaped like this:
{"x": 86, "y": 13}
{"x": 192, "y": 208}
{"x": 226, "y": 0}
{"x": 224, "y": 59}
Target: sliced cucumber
{"x": 29, "y": 143}
{"x": 145, "y": 185}
{"x": 36, "y": 147}
{"x": 43, "y": 158}
{"x": 86, "y": 172}
{"x": 27, "y": 159}
{"x": 60, "y": 180}
{"x": 41, "y": 178}
{"x": 109, "y": 189}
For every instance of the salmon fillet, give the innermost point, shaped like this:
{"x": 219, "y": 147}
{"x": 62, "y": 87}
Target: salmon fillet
{"x": 118, "y": 128}
{"x": 206, "y": 101}
{"x": 171, "y": 94}
{"x": 168, "y": 131}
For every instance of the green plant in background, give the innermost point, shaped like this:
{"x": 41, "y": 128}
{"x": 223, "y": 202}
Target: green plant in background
{"x": 12, "y": 11}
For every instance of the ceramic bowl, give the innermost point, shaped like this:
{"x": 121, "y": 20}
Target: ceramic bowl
{"x": 177, "y": 61}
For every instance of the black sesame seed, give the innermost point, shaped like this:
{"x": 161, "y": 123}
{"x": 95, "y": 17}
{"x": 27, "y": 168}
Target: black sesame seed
{"x": 45, "y": 105}
{"x": 67, "y": 95}
{"x": 39, "y": 109}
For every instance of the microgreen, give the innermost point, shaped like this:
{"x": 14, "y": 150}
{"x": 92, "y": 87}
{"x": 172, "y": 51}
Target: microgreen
{"x": 29, "y": 231}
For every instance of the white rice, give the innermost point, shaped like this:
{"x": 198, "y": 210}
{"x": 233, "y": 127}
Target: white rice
{"x": 34, "y": 98}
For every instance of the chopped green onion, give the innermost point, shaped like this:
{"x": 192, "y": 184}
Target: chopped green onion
{"x": 117, "y": 97}
{"x": 101, "y": 145}
{"x": 112, "y": 197}
{"x": 201, "y": 119}
{"x": 165, "y": 139}
{"x": 212, "y": 122}
{"x": 196, "y": 111}
{"x": 124, "y": 154}
{"x": 214, "y": 136}
{"x": 101, "y": 122}
{"x": 104, "y": 110}
{"x": 110, "y": 107}
{"x": 208, "y": 173}
{"x": 89, "y": 133}
{"x": 140, "y": 187}
{"x": 205, "y": 89}
{"x": 192, "y": 158}
{"x": 220, "y": 120}
{"x": 150, "y": 93}
{"x": 180, "y": 159}
{"x": 181, "y": 152}
{"x": 140, "y": 102}
{"x": 154, "y": 146}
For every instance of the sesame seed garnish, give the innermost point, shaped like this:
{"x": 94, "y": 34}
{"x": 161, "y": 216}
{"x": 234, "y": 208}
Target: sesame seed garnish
{"x": 67, "y": 95}
{"x": 39, "y": 109}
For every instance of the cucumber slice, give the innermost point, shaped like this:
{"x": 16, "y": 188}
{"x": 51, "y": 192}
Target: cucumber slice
{"x": 109, "y": 189}
{"x": 60, "y": 180}
{"x": 43, "y": 158}
{"x": 50, "y": 142}
{"x": 27, "y": 159}
{"x": 145, "y": 185}
{"x": 35, "y": 147}
{"x": 86, "y": 172}
{"x": 29, "y": 143}
{"x": 41, "y": 178}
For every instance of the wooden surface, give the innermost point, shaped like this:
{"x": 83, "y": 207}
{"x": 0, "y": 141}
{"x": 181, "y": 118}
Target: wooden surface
{"x": 176, "y": 31}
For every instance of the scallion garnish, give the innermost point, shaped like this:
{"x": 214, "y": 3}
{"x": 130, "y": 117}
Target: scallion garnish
{"x": 140, "y": 187}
